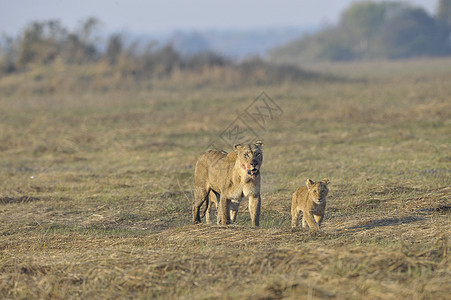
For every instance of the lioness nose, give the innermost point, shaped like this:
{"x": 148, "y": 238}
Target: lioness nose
{"x": 254, "y": 163}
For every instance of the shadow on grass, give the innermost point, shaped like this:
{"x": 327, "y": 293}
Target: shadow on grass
{"x": 21, "y": 199}
{"x": 387, "y": 222}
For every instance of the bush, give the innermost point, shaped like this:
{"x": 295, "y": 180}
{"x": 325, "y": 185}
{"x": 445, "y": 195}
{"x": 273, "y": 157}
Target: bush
{"x": 373, "y": 30}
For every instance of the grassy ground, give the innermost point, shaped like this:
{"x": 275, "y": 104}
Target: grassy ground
{"x": 96, "y": 189}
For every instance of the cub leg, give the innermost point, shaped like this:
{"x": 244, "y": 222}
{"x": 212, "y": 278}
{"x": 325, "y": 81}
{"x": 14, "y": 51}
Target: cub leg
{"x": 307, "y": 217}
{"x": 200, "y": 196}
{"x": 318, "y": 219}
{"x": 254, "y": 209}
{"x": 295, "y": 217}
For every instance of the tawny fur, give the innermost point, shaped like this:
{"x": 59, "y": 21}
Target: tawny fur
{"x": 231, "y": 177}
{"x": 311, "y": 200}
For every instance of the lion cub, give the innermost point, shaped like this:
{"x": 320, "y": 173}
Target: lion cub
{"x": 311, "y": 200}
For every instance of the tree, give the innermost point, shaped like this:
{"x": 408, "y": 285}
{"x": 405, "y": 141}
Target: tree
{"x": 8, "y": 54}
{"x": 374, "y": 30}
{"x": 80, "y": 45}
{"x": 365, "y": 19}
{"x": 444, "y": 12}
{"x": 114, "y": 48}
{"x": 444, "y": 18}
{"x": 363, "y": 23}
{"x": 411, "y": 32}
{"x": 88, "y": 29}
{"x": 41, "y": 42}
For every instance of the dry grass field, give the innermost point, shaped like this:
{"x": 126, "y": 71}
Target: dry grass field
{"x": 96, "y": 187}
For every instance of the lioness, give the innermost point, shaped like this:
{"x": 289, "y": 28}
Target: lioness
{"x": 311, "y": 200}
{"x": 231, "y": 177}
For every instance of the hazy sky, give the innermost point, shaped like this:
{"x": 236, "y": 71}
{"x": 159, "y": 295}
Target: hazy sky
{"x": 156, "y": 16}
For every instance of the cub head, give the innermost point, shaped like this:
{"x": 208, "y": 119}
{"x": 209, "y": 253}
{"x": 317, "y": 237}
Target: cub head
{"x": 250, "y": 158}
{"x": 317, "y": 190}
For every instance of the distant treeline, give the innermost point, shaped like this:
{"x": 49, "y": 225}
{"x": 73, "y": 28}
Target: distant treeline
{"x": 376, "y": 30}
{"x": 45, "y": 42}
{"x": 50, "y": 43}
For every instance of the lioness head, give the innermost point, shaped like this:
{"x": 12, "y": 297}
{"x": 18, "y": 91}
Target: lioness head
{"x": 317, "y": 190}
{"x": 250, "y": 157}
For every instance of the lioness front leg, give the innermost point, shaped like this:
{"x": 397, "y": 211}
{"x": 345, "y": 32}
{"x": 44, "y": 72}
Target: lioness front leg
{"x": 254, "y": 209}
{"x": 225, "y": 210}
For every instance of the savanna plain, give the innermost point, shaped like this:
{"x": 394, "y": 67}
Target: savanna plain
{"x": 96, "y": 185}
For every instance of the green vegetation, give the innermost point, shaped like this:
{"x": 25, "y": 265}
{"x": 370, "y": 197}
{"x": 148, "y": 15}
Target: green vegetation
{"x": 375, "y": 30}
{"x": 96, "y": 185}
{"x": 49, "y": 43}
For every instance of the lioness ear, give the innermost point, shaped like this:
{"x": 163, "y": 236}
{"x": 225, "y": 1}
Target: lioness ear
{"x": 325, "y": 180}
{"x": 309, "y": 183}
{"x": 237, "y": 146}
{"x": 259, "y": 144}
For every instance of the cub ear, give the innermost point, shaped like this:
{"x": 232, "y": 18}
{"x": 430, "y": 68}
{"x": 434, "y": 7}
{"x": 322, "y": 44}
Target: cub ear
{"x": 237, "y": 146}
{"x": 325, "y": 181}
{"x": 259, "y": 144}
{"x": 309, "y": 183}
